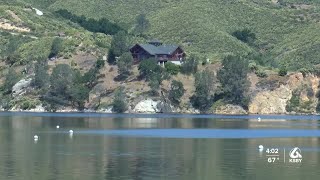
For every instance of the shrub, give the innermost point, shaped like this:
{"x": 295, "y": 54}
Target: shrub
{"x": 11, "y": 78}
{"x": 294, "y": 102}
{"x": 190, "y": 66}
{"x": 142, "y": 24}
{"x": 172, "y": 68}
{"x": 28, "y": 104}
{"x": 245, "y": 35}
{"x": 100, "y": 63}
{"x": 253, "y": 66}
{"x": 304, "y": 71}
{"x": 56, "y": 47}
{"x": 103, "y": 25}
{"x": 261, "y": 73}
{"x": 282, "y": 71}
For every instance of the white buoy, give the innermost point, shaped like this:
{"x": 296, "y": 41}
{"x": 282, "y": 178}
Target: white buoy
{"x": 36, "y": 138}
{"x": 58, "y": 127}
{"x": 70, "y": 131}
{"x": 259, "y": 119}
{"x": 260, "y": 148}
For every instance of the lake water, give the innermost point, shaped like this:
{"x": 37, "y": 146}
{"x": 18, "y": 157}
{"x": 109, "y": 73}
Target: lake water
{"x": 157, "y": 147}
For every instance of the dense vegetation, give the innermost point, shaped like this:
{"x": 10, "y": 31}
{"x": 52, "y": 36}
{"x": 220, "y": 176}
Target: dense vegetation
{"x": 280, "y": 38}
{"x": 103, "y": 25}
{"x": 283, "y": 31}
{"x": 234, "y": 81}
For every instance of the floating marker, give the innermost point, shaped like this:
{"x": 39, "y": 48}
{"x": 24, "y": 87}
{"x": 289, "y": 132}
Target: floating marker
{"x": 58, "y": 127}
{"x": 259, "y": 119}
{"x": 70, "y": 131}
{"x": 36, "y": 138}
{"x": 260, "y": 148}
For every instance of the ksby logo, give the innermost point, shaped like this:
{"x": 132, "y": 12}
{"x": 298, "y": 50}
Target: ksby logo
{"x": 295, "y": 155}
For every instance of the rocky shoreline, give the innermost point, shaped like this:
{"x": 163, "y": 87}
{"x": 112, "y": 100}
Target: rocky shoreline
{"x": 267, "y": 97}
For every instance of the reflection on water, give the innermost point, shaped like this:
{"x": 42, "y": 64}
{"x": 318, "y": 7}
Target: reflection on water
{"x": 92, "y": 154}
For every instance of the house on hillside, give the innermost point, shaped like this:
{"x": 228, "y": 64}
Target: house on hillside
{"x": 160, "y": 52}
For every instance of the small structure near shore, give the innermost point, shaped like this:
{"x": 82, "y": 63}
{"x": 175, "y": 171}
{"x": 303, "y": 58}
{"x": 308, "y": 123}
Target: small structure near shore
{"x": 162, "y": 53}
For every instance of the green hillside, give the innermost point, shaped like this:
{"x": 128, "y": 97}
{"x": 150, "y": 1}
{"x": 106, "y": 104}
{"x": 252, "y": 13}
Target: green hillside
{"x": 286, "y": 31}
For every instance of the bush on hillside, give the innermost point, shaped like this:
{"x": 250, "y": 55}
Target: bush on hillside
{"x": 282, "y": 71}
{"x": 142, "y": 24}
{"x": 11, "y": 78}
{"x": 245, "y": 35}
{"x": 56, "y": 47}
{"x": 171, "y": 68}
{"x": 190, "y": 65}
{"x": 261, "y": 73}
{"x": 103, "y": 25}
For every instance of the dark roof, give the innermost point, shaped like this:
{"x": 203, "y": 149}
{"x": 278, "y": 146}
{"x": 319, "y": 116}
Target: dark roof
{"x": 162, "y": 49}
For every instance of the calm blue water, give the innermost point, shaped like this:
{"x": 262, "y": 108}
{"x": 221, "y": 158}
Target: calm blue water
{"x": 156, "y": 147}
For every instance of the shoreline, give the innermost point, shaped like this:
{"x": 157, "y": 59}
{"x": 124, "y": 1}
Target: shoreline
{"x": 186, "y": 115}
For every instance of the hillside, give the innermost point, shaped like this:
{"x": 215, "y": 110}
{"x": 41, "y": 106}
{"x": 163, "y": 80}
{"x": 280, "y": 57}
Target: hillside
{"x": 286, "y": 32}
{"x": 286, "y": 35}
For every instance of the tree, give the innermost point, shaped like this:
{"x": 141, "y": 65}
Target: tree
{"x": 147, "y": 67}
{"x": 41, "y": 76}
{"x": 190, "y": 66}
{"x": 171, "y": 68}
{"x": 61, "y": 79}
{"x": 142, "y": 24}
{"x": 90, "y": 78}
{"x": 203, "y": 96}
{"x": 68, "y": 87}
{"x": 124, "y": 64}
{"x": 111, "y": 57}
{"x": 233, "y": 79}
{"x": 154, "y": 83}
{"x": 103, "y": 25}
{"x": 11, "y": 79}
{"x": 153, "y": 73}
{"x": 55, "y": 47}
{"x": 245, "y": 35}
{"x": 79, "y": 94}
{"x": 119, "y": 104}
{"x": 119, "y": 44}
{"x": 176, "y": 91}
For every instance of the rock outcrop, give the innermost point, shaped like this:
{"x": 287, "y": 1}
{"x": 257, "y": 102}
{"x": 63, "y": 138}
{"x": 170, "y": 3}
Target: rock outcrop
{"x": 275, "y": 101}
{"x": 271, "y": 102}
{"x": 147, "y": 106}
{"x": 105, "y": 110}
{"x": 230, "y": 109}
{"x": 20, "y": 87}
{"x": 152, "y": 106}
{"x": 38, "y": 108}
